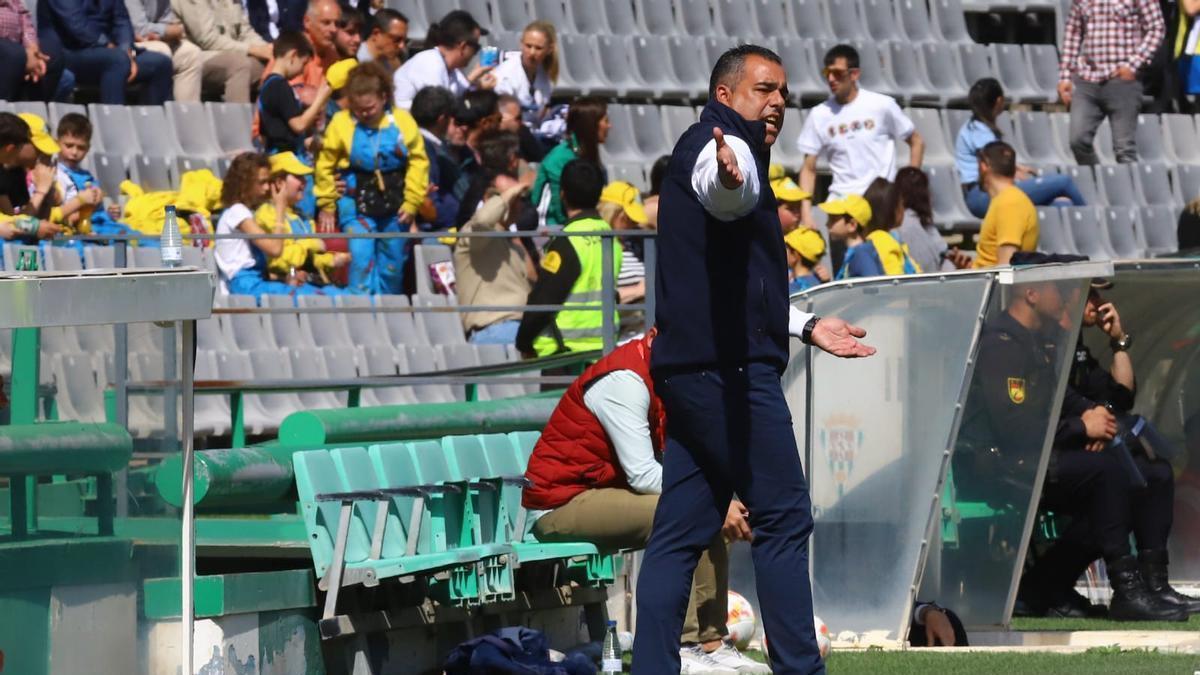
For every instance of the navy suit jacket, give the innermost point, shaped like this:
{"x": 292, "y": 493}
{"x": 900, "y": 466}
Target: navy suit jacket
{"x": 291, "y": 16}
{"x": 79, "y": 24}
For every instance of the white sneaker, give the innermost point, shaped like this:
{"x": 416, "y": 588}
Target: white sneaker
{"x": 694, "y": 661}
{"x": 729, "y": 657}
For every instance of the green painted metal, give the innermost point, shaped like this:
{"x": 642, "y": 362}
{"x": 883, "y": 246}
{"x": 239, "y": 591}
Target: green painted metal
{"x": 226, "y": 594}
{"x": 63, "y": 447}
{"x": 276, "y": 532}
{"x": 236, "y": 477}
{"x": 237, "y": 412}
{"x": 278, "y": 635}
{"x": 314, "y": 428}
{"x": 74, "y": 561}
{"x": 25, "y": 631}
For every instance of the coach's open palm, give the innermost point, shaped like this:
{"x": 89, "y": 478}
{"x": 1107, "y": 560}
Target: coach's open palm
{"x": 840, "y": 338}
{"x": 728, "y": 171}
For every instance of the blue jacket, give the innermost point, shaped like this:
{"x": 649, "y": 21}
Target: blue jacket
{"x": 79, "y": 24}
{"x": 291, "y": 16}
{"x": 722, "y": 287}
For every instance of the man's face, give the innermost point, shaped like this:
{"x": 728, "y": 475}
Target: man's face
{"x": 510, "y": 116}
{"x": 1048, "y": 301}
{"x": 321, "y": 23}
{"x": 391, "y": 45}
{"x": 462, "y": 54}
{"x": 759, "y": 95}
{"x": 841, "y": 78}
{"x": 73, "y": 148}
{"x": 347, "y": 39}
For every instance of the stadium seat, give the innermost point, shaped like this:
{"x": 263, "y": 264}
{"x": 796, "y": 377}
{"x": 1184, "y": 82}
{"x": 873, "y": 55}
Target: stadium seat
{"x": 114, "y": 125}
{"x": 1160, "y": 228}
{"x": 656, "y": 17}
{"x": 1054, "y": 236}
{"x": 1016, "y": 76}
{"x": 928, "y": 123}
{"x": 110, "y": 171}
{"x": 36, "y": 107}
{"x": 736, "y": 18}
{"x": 153, "y": 173}
{"x": 652, "y": 59}
{"x": 811, "y": 19}
{"x": 1085, "y": 180}
{"x": 1153, "y": 183}
{"x": 249, "y": 332}
{"x": 100, "y": 257}
{"x": 695, "y": 18}
{"x": 1123, "y": 232}
{"x": 401, "y": 326}
{"x": 273, "y": 364}
{"x": 309, "y": 364}
{"x": 424, "y": 256}
{"x": 1037, "y": 136}
{"x": 949, "y": 209}
{"x": 211, "y": 411}
{"x": 1187, "y": 182}
{"x": 494, "y": 355}
{"x": 1116, "y": 180}
{"x": 62, "y": 258}
{"x": 340, "y": 362}
{"x": 903, "y": 62}
{"x": 579, "y": 71}
{"x": 648, "y": 132}
{"x": 847, "y": 21}
{"x": 289, "y": 328}
{"x": 328, "y": 330}
{"x": 554, "y": 12}
{"x": 618, "y": 14}
{"x": 620, "y": 146}
{"x": 193, "y": 129}
{"x": 418, "y": 17}
{"x": 1043, "y": 64}
{"x": 60, "y": 340}
{"x": 771, "y": 18}
{"x": 1182, "y": 140}
{"x": 879, "y": 18}
{"x": 689, "y": 66}
{"x": 1089, "y": 232}
{"x": 630, "y": 172}
{"x": 715, "y": 46}
{"x": 232, "y": 122}
{"x": 146, "y": 412}
{"x": 368, "y": 328}
{"x": 676, "y": 119}
{"x": 618, "y": 66}
{"x": 913, "y": 16}
{"x": 943, "y": 69}
{"x": 380, "y": 361}
{"x": 1103, "y": 142}
{"x": 1150, "y": 146}
{"x": 235, "y": 366}
{"x": 426, "y": 359}
{"x": 442, "y": 328}
{"x": 976, "y": 62}
{"x": 950, "y": 20}
{"x": 78, "y": 394}
{"x": 803, "y": 68}
{"x": 155, "y": 135}
{"x": 510, "y": 15}
{"x": 213, "y": 334}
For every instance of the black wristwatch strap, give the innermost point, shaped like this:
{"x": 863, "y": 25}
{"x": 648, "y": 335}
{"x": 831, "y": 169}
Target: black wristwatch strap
{"x": 806, "y": 334}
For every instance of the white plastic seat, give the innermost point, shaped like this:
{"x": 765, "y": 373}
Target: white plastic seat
{"x": 1160, "y": 228}
{"x": 695, "y": 18}
{"x": 879, "y": 18}
{"x": 579, "y": 69}
{"x": 949, "y": 209}
{"x": 328, "y": 330}
{"x": 79, "y": 395}
{"x": 656, "y": 17}
{"x": 367, "y": 328}
{"x": 1187, "y": 182}
{"x": 62, "y": 259}
{"x": 619, "y": 15}
{"x": 274, "y": 364}
{"x": 554, "y": 12}
{"x": 1117, "y": 182}
{"x": 211, "y": 411}
{"x": 289, "y": 329}
{"x": 652, "y": 58}
{"x": 114, "y": 125}
{"x": 1182, "y": 140}
{"x": 441, "y": 328}
{"x": 233, "y": 122}
{"x": 630, "y": 172}
{"x": 1043, "y": 65}
{"x": 1085, "y": 180}
{"x": 155, "y": 135}
{"x": 380, "y": 361}
{"x": 309, "y": 364}
{"x": 847, "y": 20}
{"x": 401, "y": 326}
{"x": 1153, "y": 183}
{"x": 426, "y": 359}
{"x": 737, "y": 18}
{"x": 1150, "y": 147}
{"x": 772, "y": 19}
{"x": 493, "y": 355}
{"x": 943, "y": 70}
{"x": 153, "y": 173}
{"x": 110, "y": 171}
{"x": 950, "y": 20}
{"x": 929, "y": 124}
{"x": 803, "y": 67}
{"x": 1123, "y": 232}
{"x": 1054, "y": 236}
{"x": 913, "y": 16}
{"x": 235, "y": 367}
{"x": 1042, "y": 147}
{"x": 904, "y": 64}
{"x": 100, "y": 257}
{"x": 976, "y": 63}
{"x": 689, "y": 65}
{"x": 811, "y": 19}
{"x": 1089, "y": 232}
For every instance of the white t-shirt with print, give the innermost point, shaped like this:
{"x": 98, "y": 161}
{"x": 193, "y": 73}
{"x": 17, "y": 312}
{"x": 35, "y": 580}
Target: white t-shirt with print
{"x": 858, "y": 138}
{"x": 233, "y": 255}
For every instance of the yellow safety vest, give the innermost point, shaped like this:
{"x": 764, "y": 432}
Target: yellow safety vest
{"x": 582, "y": 329}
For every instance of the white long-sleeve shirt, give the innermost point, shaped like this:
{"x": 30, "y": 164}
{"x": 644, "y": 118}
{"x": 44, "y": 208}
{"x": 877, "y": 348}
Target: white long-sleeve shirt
{"x": 723, "y": 203}
{"x": 426, "y": 69}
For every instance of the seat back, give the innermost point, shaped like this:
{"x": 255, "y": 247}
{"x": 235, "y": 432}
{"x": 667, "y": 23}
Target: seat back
{"x": 1123, "y": 232}
{"x": 316, "y": 474}
{"x": 1159, "y": 227}
{"x": 1054, "y": 235}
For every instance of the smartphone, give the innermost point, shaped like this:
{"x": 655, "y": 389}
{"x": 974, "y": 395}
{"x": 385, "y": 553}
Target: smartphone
{"x": 489, "y": 56}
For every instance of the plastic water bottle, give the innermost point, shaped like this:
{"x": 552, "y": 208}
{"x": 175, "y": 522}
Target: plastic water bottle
{"x": 171, "y": 242}
{"x": 610, "y": 656}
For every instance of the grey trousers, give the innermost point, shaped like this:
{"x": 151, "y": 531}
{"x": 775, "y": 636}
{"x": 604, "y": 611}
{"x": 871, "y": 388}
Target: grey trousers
{"x": 1118, "y": 100}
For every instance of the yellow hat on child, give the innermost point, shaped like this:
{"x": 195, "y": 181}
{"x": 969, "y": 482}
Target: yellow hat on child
{"x": 288, "y": 162}
{"x": 40, "y": 134}
{"x": 339, "y": 73}
{"x": 851, "y": 205}
{"x": 807, "y": 242}
{"x": 784, "y": 187}
{"x": 628, "y": 198}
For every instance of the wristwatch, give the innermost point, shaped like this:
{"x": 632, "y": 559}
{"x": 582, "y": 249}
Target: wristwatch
{"x": 1123, "y": 344}
{"x": 806, "y": 334}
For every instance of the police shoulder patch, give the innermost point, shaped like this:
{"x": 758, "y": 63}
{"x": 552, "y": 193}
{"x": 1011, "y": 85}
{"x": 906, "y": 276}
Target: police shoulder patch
{"x": 551, "y": 262}
{"x": 1016, "y": 389}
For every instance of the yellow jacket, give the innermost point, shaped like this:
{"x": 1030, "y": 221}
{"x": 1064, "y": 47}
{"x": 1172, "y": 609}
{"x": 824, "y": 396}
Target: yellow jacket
{"x": 199, "y": 191}
{"x": 335, "y": 156}
{"x": 295, "y": 251}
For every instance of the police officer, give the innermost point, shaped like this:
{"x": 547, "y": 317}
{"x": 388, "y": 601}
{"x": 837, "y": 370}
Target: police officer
{"x": 1151, "y": 502}
{"x": 724, "y": 320}
{"x": 572, "y": 272}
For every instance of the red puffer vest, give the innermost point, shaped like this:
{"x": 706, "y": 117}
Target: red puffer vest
{"x": 574, "y": 453}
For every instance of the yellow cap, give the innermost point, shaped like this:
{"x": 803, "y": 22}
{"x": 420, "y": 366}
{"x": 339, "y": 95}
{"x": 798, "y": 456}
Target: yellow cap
{"x": 852, "y": 205}
{"x": 627, "y": 196}
{"x": 287, "y": 162}
{"x": 807, "y": 242}
{"x": 785, "y": 188}
{"x": 40, "y": 134}
{"x": 338, "y": 73}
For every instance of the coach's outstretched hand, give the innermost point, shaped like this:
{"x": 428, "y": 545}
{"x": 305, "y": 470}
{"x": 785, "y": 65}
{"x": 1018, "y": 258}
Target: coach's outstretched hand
{"x": 840, "y": 338}
{"x": 728, "y": 171}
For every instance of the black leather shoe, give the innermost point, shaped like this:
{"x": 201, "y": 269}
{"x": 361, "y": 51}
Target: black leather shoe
{"x": 1131, "y": 600}
{"x": 1154, "y": 572}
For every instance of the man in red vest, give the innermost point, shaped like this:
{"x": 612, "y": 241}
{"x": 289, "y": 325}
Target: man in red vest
{"x": 596, "y": 477}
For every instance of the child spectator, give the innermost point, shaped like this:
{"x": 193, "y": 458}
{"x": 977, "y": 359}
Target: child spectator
{"x": 77, "y": 185}
{"x": 302, "y": 261}
{"x": 621, "y": 207}
{"x": 804, "y": 250}
{"x": 789, "y": 196}
{"x": 881, "y": 231}
{"x": 284, "y": 125}
{"x": 848, "y": 223}
{"x": 36, "y": 160}
{"x": 433, "y": 111}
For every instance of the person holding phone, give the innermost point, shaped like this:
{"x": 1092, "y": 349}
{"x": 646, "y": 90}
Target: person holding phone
{"x": 455, "y": 41}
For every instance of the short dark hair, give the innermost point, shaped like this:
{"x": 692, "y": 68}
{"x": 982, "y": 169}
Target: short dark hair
{"x": 74, "y": 124}
{"x": 581, "y": 184}
{"x": 658, "y": 172}
{"x": 13, "y": 130}
{"x": 289, "y": 41}
{"x": 385, "y": 17}
{"x": 496, "y": 151}
{"x": 842, "y": 52}
{"x": 476, "y": 105}
{"x": 430, "y": 104}
{"x": 456, "y": 27}
{"x": 730, "y": 65}
{"x": 1000, "y": 158}
{"x": 351, "y": 18}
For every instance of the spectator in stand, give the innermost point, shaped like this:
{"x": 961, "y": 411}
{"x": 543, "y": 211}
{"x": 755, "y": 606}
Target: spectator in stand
{"x": 388, "y": 40}
{"x": 587, "y": 129}
{"x": 856, "y": 130}
{"x": 1011, "y": 222}
{"x": 26, "y": 72}
{"x": 272, "y": 18}
{"x": 96, "y": 39}
{"x": 348, "y": 38}
{"x": 477, "y": 114}
{"x": 531, "y": 149}
{"x": 531, "y": 76}
{"x": 848, "y": 224}
{"x": 1180, "y": 70}
{"x": 885, "y": 218}
{"x": 222, "y": 26}
{"x": 805, "y": 248}
{"x": 454, "y": 41}
{"x": 1105, "y": 44}
{"x": 571, "y": 271}
{"x": 377, "y": 150}
{"x": 495, "y": 271}
{"x": 284, "y": 125}
{"x": 621, "y": 207}
{"x": 789, "y": 197}
{"x": 44, "y": 199}
{"x": 302, "y": 261}
{"x": 658, "y": 171}
{"x": 76, "y": 185}
{"x": 914, "y": 210}
{"x": 433, "y": 111}
{"x": 17, "y": 153}
{"x": 156, "y": 29}
{"x": 986, "y": 99}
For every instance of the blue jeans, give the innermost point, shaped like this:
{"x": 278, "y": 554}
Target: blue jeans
{"x": 1041, "y": 190}
{"x": 728, "y": 431}
{"x": 499, "y": 333}
{"x": 110, "y": 69}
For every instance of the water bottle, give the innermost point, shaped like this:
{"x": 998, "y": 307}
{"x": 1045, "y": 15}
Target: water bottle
{"x": 171, "y": 242}
{"x": 610, "y": 656}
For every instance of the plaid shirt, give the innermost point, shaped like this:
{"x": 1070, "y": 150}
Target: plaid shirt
{"x": 1102, "y": 35}
{"x": 15, "y": 24}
